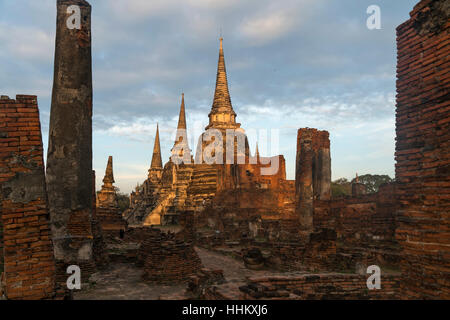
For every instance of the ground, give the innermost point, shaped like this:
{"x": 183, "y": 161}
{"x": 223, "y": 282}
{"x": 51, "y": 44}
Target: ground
{"x": 124, "y": 281}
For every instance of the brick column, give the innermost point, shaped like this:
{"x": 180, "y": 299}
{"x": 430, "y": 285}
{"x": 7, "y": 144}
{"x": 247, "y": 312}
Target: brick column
{"x": 313, "y": 173}
{"x": 29, "y": 264}
{"x": 69, "y": 161}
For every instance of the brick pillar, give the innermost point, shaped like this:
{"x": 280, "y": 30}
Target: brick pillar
{"x": 69, "y": 161}
{"x": 29, "y": 264}
{"x": 312, "y": 173}
{"x": 423, "y": 150}
{"x": 322, "y": 184}
{"x": 304, "y": 181}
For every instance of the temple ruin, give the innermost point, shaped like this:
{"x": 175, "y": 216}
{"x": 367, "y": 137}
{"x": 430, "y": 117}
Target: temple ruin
{"x": 193, "y": 219}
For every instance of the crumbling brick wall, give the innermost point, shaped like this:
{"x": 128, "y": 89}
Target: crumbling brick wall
{"x": 423, "y": 150}
{"x": 365, "y": 227}
{"x": 28, "y": 248}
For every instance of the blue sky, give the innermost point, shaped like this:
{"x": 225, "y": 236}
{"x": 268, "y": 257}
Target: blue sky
{"x": 290, "y": 64}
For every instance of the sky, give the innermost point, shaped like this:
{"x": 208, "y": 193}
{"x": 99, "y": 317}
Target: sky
{"x": 291, "y": 64}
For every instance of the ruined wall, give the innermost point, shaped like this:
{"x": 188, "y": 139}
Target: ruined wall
{"x": 320, "y": 287}
{"x": 423, "y": 150}
{"x": 365, "y": 228}
{"x": 257, "y": 174}
{"x": 29, "y": 262}
{"x": 312, "y": 173}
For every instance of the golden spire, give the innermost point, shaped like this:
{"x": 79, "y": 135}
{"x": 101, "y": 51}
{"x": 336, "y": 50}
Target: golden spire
{"x": 222, "y": 102}
{"x": 181, "y": 146}
{"x": 156, "y": 158}
{"x": 182, "y": 117}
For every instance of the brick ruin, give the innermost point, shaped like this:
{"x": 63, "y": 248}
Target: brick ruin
{"x": 312, "y": 173}
{"x": 107, "y": 206}
{"x": 168, "y": 259}
{"x": 297, "y": 223}
{"x": 266, "y": 221}
{"x": 318, "y": 287}
{"x": 422, "y": 150}
{"x": 27, "y": 249}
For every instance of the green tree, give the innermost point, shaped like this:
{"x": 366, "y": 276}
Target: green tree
{"x": 341, "y": 188}
{"x": 373, "y": 181}
{"x": 122, "y": 199}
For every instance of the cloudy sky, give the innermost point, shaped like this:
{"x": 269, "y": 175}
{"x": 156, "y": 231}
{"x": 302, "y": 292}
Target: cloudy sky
{"x": 290, "y": 64}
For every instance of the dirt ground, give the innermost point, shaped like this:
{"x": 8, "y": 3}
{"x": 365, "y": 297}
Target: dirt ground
{"x": 124, "y": 281}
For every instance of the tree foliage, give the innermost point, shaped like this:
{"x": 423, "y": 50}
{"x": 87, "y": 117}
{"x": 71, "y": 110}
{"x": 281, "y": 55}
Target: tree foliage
{"x": 373, "y": 181}
{"x": 342, "y": 187}
{"x": 123, "y": 200}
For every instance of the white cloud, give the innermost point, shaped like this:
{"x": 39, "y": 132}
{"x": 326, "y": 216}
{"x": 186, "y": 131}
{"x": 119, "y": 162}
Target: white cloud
{"x": 213, "y": 4}
{"x": 132, "y": 10}
{"x": 268, "y": 26}
{"x": 30, "y": 43}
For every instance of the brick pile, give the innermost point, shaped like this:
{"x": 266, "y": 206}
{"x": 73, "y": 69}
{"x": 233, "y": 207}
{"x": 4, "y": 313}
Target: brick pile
{"x": 29, "y": 264}
{"x": 423, "y": 150}
{"x": 150, "y": 243}
{"x": 320, "y": 287}
{"x": 167, "y": 259}
{"x": 173, "y": 262}
{"x": 201, "y": 282}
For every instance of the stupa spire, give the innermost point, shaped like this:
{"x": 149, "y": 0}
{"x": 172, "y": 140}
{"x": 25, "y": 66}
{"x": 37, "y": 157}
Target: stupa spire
{"x": 156, "y": 158}
{"x": 222, "y": 97}
{"x": 108, "y": 180}
{"x": 180, "y": 148}
{"x": 222, "y": 113}
{"x": 182, "y": 117}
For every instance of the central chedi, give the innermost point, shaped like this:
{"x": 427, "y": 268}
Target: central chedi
{"x": 222, "y": 163}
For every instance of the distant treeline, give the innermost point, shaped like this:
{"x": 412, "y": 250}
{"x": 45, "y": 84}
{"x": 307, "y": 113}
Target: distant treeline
{"x": 343, "y": 187}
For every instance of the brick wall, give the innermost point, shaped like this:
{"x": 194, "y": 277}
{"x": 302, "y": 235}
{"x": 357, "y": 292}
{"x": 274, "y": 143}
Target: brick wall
{"x": 28, "y": 248}
{"x": 423, "y": 150}
{"x": 365, "y": 228}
